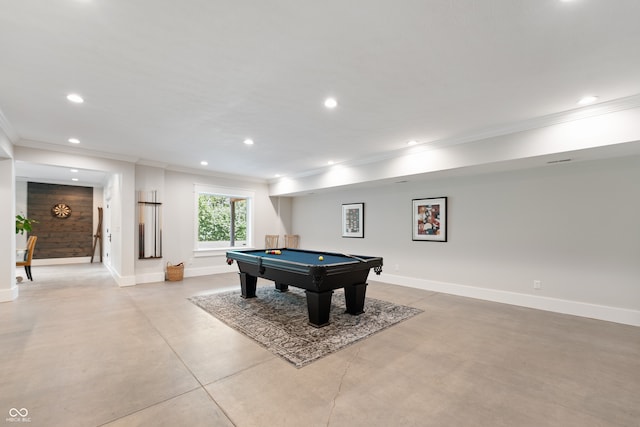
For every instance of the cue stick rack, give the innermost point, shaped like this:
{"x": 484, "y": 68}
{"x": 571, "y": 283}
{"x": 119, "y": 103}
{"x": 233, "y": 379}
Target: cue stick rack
{"x": 149, "y": 225}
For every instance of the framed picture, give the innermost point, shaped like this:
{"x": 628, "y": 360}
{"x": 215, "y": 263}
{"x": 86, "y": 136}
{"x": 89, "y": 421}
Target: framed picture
{"x": 430, "y": 219}
{"x": 353, "y": 220}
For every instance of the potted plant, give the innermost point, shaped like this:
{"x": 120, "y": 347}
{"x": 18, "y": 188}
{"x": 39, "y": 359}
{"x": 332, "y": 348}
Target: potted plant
{"x": 24, "y": 224}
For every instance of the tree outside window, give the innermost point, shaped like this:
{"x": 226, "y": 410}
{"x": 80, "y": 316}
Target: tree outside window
{"x": 222, "y": 220}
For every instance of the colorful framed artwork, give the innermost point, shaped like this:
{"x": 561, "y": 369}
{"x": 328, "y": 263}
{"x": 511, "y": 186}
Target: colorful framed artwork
{"x": 353, "y": 220}
{"x": 430, "y": 219}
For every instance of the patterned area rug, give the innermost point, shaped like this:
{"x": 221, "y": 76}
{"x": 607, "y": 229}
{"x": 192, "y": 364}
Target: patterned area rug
{"x": 278, "y": 321}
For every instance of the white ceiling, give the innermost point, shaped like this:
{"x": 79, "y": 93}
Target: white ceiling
{"x": 175, "y": 83}
{"x": 35, "y": 172}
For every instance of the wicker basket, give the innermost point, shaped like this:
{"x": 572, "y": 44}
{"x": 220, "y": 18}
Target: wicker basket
{"x": 175, "y": 272}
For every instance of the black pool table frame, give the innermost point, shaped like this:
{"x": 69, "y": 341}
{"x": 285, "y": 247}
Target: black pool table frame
{"x": 318, "y": 279}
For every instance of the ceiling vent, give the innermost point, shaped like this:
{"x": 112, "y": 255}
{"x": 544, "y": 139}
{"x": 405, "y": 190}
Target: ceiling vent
{"x": 553, "y": 162}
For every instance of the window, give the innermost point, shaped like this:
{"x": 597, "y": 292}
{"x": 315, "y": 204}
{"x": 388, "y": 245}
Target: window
{"x": 223, "y": 218}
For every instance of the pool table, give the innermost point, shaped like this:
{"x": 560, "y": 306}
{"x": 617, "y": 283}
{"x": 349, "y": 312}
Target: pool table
{"x": 318, "y": 273}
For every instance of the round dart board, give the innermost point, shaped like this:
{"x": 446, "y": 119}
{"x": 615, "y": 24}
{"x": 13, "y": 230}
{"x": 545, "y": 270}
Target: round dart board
{"x": 61, "y": 210}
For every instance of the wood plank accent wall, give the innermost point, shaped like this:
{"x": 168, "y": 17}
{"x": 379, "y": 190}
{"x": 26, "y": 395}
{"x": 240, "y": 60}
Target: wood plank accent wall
{"x": 61, "y": 238}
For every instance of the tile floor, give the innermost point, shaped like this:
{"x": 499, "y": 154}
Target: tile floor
{"x": 76, "y": 350}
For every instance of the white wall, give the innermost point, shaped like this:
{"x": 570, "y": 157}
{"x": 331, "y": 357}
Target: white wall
{"x": 179, "y": 224}
{"x": 8, "y": 288}
{"x": 573, "y": 226}
{"x": 21, "y": 209}
{"x": 120, "y": 190}
{"x": 282, "y": 206}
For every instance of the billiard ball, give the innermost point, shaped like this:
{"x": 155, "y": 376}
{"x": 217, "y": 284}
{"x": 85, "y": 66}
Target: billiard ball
{"x": 321, "y": 258}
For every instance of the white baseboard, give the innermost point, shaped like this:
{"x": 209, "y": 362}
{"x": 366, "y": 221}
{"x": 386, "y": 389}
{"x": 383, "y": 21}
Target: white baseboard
{"x": 593, "y": 311}
{"x": 149, "y": 278}
{"x": 188, "y": 272}
{"x": 122, "y": 281}
{"x": 214, "y": 269}
{"x": 125, "y": 280}
{"x": 7, "y": 295}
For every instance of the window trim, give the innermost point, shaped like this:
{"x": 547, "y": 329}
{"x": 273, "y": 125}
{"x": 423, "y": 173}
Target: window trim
{"x": 227, "y": 192}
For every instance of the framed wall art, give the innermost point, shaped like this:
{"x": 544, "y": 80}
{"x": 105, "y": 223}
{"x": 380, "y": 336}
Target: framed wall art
{"x": 353, "y": 220}
{"x": 430, "y": 219}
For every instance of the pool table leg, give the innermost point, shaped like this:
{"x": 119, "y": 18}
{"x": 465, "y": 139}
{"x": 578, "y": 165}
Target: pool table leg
{"x": 281, "y": 287}
{"x": 354, "y": 298}
{"x": 319, "y": 307}
{"x": 248, "y": 285}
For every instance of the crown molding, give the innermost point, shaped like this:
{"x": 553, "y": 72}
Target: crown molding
{"x": 194, "y": 171}
{"x": 201, "y": 172}
{"x": 151, "y": 163}
{"x": 74, "y": 150}
{"x": 602, "y": 108}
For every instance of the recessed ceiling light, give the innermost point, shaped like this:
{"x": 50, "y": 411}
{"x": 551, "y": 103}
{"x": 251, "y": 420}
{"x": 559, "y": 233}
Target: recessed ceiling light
{"x": 204, "y": 163}
{"x": 74, "y": 179}
{"x": 330, "y": 162}
{"x": 74, "y": 170}
{"x": 412, "y": 142}
{"x": 74, "y": 97}
{"x": 330, "y": 103}
{"x": 74, "y": 140}
{"x": 248, "y": 141}
{"x": 589, "y": 99}
{"x": 278, "y": 175}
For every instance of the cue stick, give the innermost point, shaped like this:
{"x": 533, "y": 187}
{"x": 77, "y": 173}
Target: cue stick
{"x": 160, "y": 227}
{"x": 142, "y": 237}
{"x": 139, "y": 225}
{"x": 155, "y": 224}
